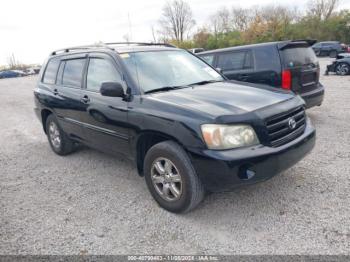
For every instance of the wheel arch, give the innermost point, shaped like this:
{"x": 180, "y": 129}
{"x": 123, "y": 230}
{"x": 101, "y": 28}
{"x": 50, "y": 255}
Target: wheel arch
{"x": 145, "y": 141}
{"x": 44, "y": 115}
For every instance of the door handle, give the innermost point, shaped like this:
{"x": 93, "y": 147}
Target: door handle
{"x": 55, "y": 92}
{"x": 85, "y": 99}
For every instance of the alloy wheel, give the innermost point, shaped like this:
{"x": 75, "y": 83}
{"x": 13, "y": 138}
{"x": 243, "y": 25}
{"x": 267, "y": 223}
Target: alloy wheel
{"x": 54, "y": 134}
{"x": 166, "y": 179}
{"x": 342, "y": 69}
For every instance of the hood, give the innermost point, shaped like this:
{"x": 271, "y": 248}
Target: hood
{"x": 223, "y": 98}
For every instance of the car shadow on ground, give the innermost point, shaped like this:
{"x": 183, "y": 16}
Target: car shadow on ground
{"x": 268, "y": 197}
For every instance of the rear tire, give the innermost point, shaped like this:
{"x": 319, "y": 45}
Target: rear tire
{"x": 342, "y": 69}
{"x": 60, "y": 143}
{"x": 171, "y": 178}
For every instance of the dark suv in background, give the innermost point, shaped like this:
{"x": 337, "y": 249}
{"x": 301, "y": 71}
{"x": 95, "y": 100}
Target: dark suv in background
{"x": 290, "y": 65}
{"x": 187, "y": 129}
{"x": 330, "y": 48}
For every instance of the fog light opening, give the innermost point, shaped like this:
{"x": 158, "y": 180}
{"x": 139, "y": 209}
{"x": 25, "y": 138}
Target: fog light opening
{"x": 246, "y": 172}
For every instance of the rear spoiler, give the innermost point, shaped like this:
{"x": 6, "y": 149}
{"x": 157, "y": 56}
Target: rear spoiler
{"x": 296, "y": 43}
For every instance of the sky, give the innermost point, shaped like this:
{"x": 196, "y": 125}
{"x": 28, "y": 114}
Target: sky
{"x": 32, "y": 29}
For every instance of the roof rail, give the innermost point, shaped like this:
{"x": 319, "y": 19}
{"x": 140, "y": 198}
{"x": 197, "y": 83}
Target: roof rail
{"x": 141, "y": 44}
{"x": 83, "y": 47}
{"x": 107, "y": 45}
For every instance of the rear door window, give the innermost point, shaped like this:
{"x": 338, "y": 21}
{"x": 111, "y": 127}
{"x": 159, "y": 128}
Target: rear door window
{"x": 73, "y": 72}
{"x": 51, "y": 71}
{"x": 235, "y": 60}
{"x": 299, "y": 56}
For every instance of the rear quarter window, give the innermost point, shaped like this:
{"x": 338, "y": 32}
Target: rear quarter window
{"x": 267, "y": 58}
{"x": 51, "y": 71}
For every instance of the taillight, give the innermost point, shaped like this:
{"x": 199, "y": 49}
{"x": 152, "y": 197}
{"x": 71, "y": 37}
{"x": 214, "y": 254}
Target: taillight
{"x": 286, "y": 79}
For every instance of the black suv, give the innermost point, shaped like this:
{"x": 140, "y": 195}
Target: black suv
{"x": 290, "y": 65}
{"x": 188, "y": 130}
{"x": 330, "y": 48}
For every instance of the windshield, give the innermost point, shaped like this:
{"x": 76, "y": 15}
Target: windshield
{"x": 299, "y": 56}
{"x": 158, "y": 69}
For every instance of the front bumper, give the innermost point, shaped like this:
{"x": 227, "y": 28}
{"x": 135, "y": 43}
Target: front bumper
{"x": 225, "y": 170}
{"x": 330, "y": 68}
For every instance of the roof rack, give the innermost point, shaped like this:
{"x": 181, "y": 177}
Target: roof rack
{"x": 82, "y": 47}
{"x": 107, "y": 45}
{"x": 141, "y": 44}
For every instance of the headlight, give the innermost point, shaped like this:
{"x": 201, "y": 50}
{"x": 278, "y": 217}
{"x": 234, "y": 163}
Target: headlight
{"x": 228, "y": 136}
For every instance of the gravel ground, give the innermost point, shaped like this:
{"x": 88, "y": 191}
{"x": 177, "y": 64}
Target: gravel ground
{"x": 92, "y": 203}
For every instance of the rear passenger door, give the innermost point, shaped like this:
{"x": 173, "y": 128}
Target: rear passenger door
{"x": 70, "y": 109}
{"x": 105, "y": 117}
{"x": 236, "y": 65}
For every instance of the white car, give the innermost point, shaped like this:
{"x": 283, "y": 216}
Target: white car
{"x": 29, "y": 71}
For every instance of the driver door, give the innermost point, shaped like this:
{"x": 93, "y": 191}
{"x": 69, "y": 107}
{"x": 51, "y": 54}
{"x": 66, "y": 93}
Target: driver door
{"x": 106, "y": 120}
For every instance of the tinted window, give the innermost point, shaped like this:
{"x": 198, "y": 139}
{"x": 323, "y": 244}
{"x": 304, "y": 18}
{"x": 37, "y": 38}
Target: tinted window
{"x": 235, "y": 60}
{"x": 60, "y": 73}
{"x": 248, "y": 61}
{"x": 208, "y": 58}
{"x": 51, "y": 71}
{"x": 267, "y": 58}
{"x": 99, "y": 71}
{"x": 298, "y": 56}
{"x": 73, "y": 72}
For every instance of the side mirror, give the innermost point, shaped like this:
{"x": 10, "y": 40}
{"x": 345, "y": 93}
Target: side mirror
{"x": 112, "y": 89}
{"x": 219, "y": 70}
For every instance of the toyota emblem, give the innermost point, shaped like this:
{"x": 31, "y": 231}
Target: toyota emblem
{"x": 292, "y": 123}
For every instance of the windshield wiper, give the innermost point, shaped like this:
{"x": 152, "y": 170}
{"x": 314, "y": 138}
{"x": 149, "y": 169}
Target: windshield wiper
{"x": 164, "y": 88}
{"x": 204, "y": 82}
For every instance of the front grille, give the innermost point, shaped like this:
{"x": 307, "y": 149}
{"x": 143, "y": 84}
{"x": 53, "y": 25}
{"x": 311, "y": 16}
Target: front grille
{"x": 279, "y": 130}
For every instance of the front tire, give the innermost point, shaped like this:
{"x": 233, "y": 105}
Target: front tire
{"x": 60, "y": 143}
{"x": 342, "y": 69}
{"x": 171, "y": 178}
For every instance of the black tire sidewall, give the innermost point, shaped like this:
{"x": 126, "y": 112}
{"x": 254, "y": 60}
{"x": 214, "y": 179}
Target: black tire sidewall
{"x": 66, "y": 144}
{"x": 184, "y": 166}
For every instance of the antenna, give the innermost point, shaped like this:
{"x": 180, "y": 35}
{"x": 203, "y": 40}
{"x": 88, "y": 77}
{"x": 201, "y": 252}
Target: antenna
{"x": 130, "y": 31}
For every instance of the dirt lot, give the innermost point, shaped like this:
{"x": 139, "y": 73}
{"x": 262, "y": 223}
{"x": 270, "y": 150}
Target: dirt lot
{"x": 92, "y": 203}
